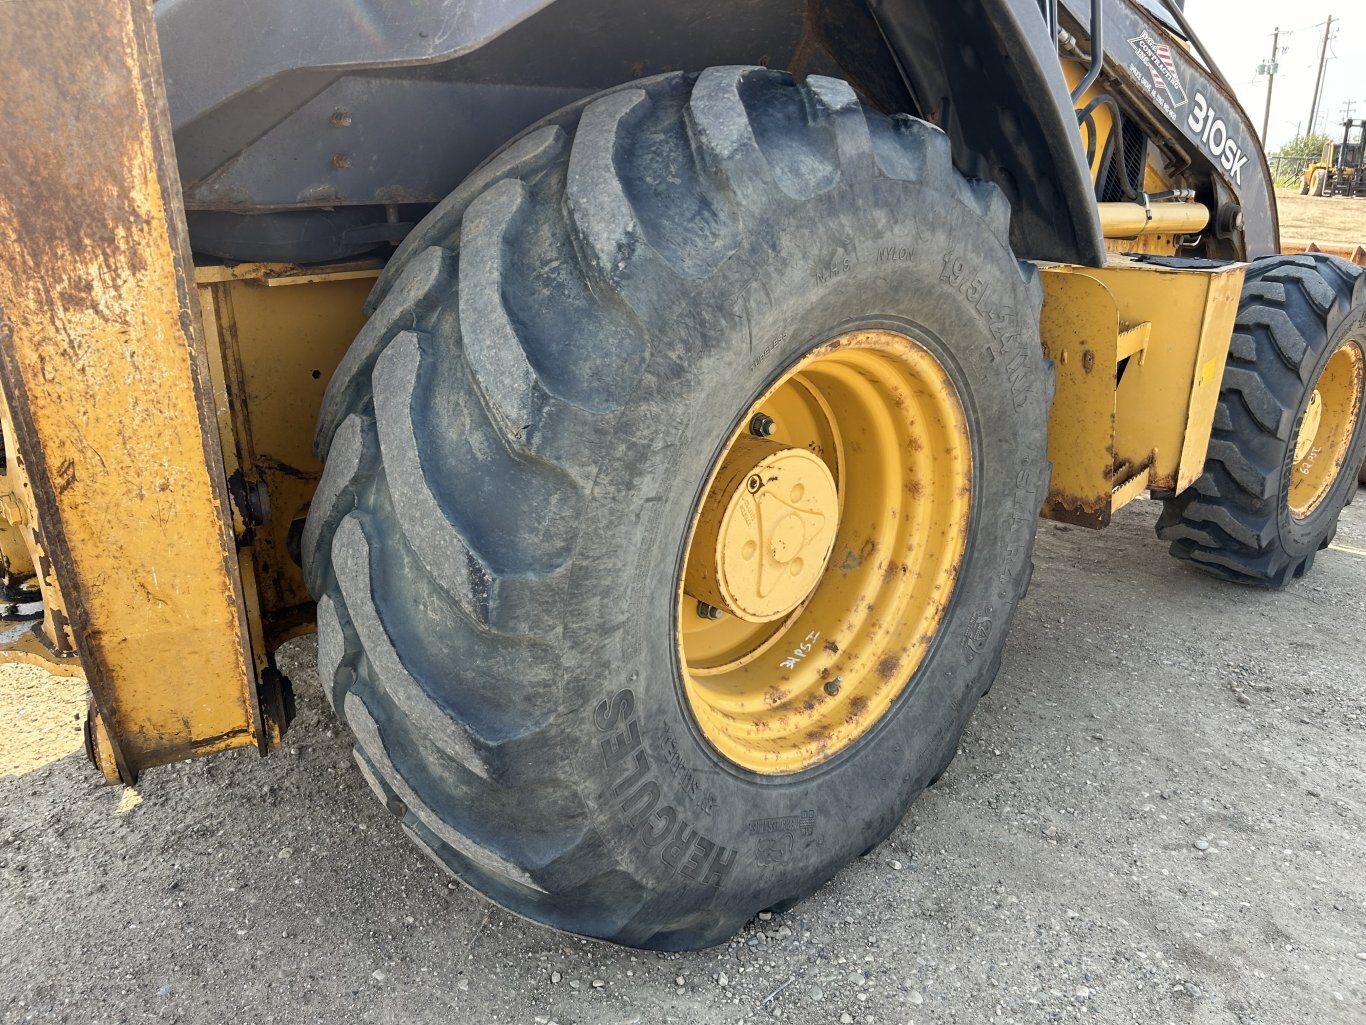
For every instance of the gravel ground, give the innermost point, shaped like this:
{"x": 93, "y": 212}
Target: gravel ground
{"x": 1156, "y": 816}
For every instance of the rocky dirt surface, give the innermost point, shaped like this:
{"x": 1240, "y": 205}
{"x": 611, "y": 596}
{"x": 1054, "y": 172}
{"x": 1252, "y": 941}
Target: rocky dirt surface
{"x": 1157, "y": 816}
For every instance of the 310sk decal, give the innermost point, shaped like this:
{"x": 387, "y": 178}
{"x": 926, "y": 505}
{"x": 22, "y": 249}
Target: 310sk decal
{"x": 1156, "y": 71}
{"x": 1214, "y": 134}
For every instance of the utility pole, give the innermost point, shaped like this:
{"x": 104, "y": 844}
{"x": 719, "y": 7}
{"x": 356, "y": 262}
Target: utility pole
{"x": 1318, "y": 82}
{"x": 1271, "y": 67}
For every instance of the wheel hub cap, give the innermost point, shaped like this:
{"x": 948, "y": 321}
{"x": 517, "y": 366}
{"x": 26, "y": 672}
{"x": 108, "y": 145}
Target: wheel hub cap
{"x": 767, "y": 527}
{"x": 1313, "y": 417}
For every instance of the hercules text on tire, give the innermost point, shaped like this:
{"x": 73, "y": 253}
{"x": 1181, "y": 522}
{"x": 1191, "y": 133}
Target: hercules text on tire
{"x": 679, "y": 494}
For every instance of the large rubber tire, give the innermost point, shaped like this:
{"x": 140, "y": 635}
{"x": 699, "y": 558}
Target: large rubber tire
{"x": 1318, "y": 182}
{"x": 1235, "y": 520}
{"x": 516, "y": 443}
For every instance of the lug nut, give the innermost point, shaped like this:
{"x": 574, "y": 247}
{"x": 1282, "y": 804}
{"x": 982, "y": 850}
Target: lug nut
{"x": 833, "y": 687}
{"x": 762, "y": 425}
{"x": 706, "y": 611}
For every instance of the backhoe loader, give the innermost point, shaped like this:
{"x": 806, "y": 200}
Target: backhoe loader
{"x": 651, "y": 406}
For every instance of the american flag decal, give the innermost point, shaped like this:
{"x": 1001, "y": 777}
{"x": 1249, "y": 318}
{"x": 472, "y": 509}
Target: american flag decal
{"x": 1161, "y": 68}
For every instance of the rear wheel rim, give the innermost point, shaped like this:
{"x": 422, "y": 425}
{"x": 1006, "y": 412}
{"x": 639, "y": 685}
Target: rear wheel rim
{"x": 1327, "y": 428}
{"x": 878, "y": 520}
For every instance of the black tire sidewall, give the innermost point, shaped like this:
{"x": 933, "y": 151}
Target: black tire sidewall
{"x": 815, "y": 270}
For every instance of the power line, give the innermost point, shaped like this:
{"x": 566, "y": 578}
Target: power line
{"x": 1271, "y": 67}
{"x": 1318, "y": 82}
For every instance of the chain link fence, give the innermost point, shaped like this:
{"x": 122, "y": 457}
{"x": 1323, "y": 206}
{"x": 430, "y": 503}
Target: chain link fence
{"x": 1287, "y": 171}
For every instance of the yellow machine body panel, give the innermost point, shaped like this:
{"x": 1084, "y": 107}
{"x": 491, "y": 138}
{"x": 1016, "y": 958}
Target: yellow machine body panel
{"x": 106, "y": 379}
{"x": 1139, "y": 350}
{"x": 276, "y": 332}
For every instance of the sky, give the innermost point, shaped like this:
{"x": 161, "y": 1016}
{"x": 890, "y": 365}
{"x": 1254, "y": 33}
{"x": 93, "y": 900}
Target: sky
{"x": 1238, "y": 36}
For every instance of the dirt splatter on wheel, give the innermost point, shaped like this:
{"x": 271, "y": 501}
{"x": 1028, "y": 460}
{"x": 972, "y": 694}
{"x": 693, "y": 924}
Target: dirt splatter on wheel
{"x": 868, "y": 453}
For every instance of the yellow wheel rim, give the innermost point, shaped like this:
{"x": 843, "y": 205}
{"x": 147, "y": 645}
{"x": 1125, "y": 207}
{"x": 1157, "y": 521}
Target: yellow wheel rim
{"x": 824, "y": 551}
{"x": 1325, "y": 434}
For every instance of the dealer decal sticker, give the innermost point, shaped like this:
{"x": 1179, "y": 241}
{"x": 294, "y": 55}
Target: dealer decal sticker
{"x": 1156, "y": 72}
{"x": 1159, "y": 75}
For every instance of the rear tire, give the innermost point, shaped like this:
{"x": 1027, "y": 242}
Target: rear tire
{"x": 1237, "y": 521}
{"x": 1318, "y": 182}
{"x": 515, "y": 445}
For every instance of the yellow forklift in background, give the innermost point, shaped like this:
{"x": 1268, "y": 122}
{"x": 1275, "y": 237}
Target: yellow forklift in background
{"x": 1341, "y": 168}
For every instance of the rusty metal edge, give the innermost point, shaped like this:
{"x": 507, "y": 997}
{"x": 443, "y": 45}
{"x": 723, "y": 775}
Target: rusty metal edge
{"x": 11, "y": 378}
{"x": 1351, "y": 253}
{"x": 168, "y": 172}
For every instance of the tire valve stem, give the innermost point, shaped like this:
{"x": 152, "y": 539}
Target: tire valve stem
{"x": 709, "y": 611}
{"x": 832, "y": 687}
{"x": 761, "y": 425}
